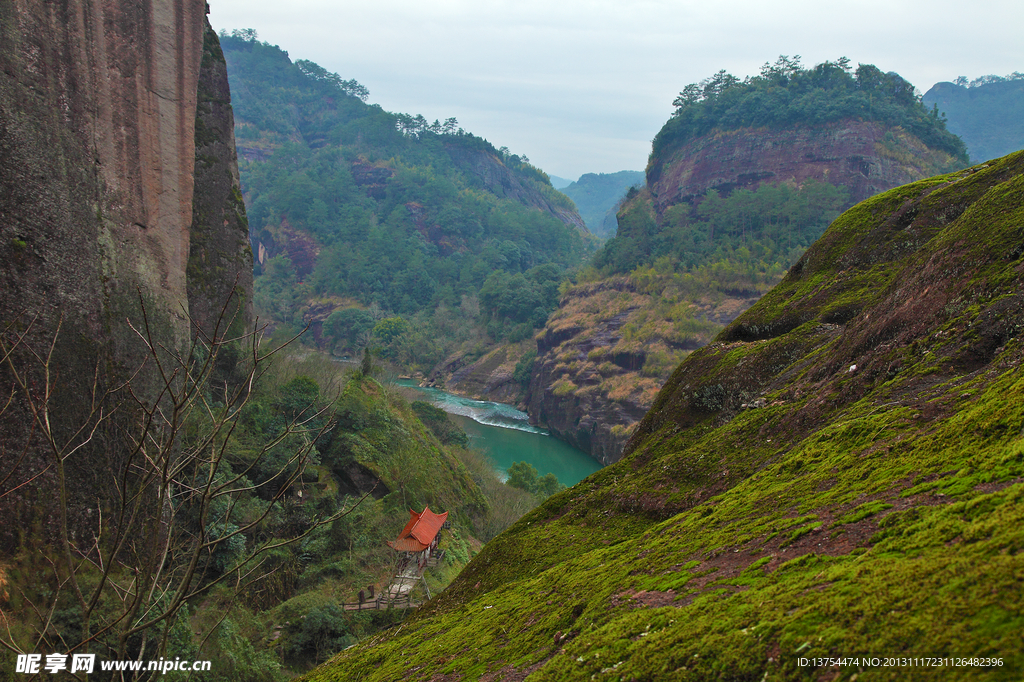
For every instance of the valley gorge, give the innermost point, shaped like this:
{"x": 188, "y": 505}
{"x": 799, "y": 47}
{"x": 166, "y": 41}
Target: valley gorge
{"x": 838, "y": 472}
{"x": 797, "y": 359}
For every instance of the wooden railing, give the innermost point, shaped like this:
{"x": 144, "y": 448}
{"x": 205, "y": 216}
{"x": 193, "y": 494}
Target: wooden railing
{"x": 382, "y": 603}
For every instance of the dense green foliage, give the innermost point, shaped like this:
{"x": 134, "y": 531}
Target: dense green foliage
{"x": 987, "y": 113}
{"x": 438, "y": 421}
{"x": 525, "y": 476}
{"x": 785, "y": 93}
{"x": 310, "y": 530}
{"x": 387, "y": 210}
{"x": 597, "y": 194}
{"x": 743, "y": 242}
{"x": 838, "y": 476}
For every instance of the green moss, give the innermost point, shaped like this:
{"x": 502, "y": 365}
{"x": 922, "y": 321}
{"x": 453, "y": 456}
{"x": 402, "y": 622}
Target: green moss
{"x": 864, "y": 511}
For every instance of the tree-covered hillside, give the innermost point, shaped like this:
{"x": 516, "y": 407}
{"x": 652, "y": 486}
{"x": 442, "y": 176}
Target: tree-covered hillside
{"x": 389, "y": 217}
{"x": 987, "y": 112}
{"x": 596, "y": 195}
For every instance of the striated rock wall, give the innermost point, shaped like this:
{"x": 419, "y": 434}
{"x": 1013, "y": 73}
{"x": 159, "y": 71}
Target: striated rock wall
{"x": 97, "y": 117}
{"x": 98, "y": 144}
{"x": 866, "y": 157}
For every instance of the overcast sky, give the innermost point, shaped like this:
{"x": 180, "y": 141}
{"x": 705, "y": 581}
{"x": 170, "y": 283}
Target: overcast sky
{"x": 582, "y": 86}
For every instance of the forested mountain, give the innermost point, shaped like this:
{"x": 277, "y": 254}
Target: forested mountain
{"x": 597, "y": 196}
{"x": 741, "y": 180}
{"x": 837, "y": 476}
{"x": 987, "y": 112}
{"x": 368, "y": 223}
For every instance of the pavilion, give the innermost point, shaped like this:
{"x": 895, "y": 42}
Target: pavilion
{"x": 421, "y": 533}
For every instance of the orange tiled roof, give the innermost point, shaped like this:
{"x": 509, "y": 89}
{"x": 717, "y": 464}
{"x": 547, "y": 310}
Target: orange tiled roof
{"x": 420, "y": 531}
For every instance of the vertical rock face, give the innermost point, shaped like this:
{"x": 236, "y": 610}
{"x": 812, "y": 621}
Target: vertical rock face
{"x": 98, "y": 144}
{"x": 220, "y": 258}
{"x": 97, "y": 108}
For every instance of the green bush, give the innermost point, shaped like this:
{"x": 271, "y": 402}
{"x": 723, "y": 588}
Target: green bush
{"x": 440, "y": 424}
{"x": 324, "y": 632}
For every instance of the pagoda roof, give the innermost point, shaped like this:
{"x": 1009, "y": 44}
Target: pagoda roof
{"x": 420, "y": 531}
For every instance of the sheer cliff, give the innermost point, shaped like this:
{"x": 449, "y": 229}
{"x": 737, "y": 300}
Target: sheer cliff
{"x": 220, "y": 258}
{"x": 98, "y": 146}
{"x": 838, "y": 474}
{"x": 866, "y": 157}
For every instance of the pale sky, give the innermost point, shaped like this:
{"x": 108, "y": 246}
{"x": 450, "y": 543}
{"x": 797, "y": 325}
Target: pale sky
{"x": 582, "y": 86}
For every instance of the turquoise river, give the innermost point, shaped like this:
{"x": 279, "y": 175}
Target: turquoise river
{"x": 505, "y": 434}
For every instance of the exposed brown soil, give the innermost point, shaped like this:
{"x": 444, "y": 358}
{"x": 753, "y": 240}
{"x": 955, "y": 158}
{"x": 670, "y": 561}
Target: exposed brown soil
{"x": 830, "y": 539}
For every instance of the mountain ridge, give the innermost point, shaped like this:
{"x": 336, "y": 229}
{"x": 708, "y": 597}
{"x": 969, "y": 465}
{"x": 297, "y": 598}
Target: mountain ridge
{"x": 986, "y": 114}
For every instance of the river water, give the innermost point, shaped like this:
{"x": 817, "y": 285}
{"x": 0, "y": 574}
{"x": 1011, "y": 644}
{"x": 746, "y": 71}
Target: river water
{"x": 505, "y": 434}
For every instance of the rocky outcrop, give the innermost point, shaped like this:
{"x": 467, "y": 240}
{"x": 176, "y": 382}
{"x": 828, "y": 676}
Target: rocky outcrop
{"x": 220, "y": 258}
{"x": 491, "y": 377}
{"x": 604, "y": 354}
{"x": 98, "y": 145}
{"x": 864, "y": 156}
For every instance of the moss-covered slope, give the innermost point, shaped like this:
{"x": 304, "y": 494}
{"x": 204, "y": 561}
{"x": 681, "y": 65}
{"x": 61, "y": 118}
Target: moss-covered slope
{"x": 838, "y": 475}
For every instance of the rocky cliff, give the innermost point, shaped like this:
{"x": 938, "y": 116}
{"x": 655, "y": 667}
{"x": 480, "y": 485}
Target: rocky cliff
{"x": 866, "y": 157}
{"x": 98, "y": 114}
{"x": 220, "y": 258}
{"x": 491, "y": 377}
{"x": 606, "y": 351}
{"x": 838, "y": 474}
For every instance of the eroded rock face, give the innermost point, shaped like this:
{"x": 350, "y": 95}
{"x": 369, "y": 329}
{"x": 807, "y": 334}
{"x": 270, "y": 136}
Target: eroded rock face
{"x": 220, "y": 258}
{"x": 597, "y": 374}
{"x": 865, "y": 157}
{"x": 491, "y": 377}
{"x": 97, "y": 117}
{"x": 98, "y": 105}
